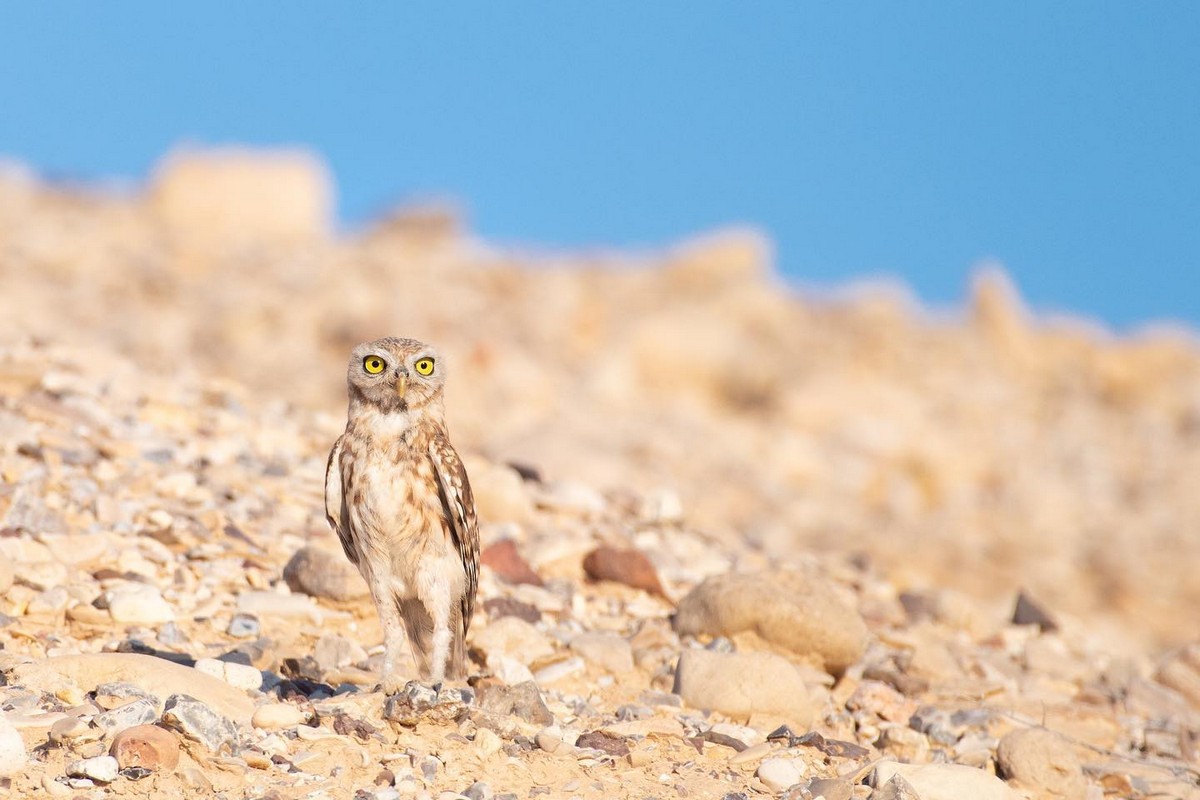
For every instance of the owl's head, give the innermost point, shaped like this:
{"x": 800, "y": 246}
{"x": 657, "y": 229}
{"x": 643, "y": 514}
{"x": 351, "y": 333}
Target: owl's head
{"x": 394, "y": 374}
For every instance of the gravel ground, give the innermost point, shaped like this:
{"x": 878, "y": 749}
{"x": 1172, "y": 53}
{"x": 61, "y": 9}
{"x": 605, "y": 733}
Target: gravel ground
{"x": 738, "y": 542}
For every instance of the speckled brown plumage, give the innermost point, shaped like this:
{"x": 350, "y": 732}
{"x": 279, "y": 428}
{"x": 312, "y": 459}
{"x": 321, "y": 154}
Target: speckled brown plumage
{"x": 399, "y": 499}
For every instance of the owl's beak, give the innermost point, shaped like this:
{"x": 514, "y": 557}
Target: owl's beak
{"x": 401, "y": 385}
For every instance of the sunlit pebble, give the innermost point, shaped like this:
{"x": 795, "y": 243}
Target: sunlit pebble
{"x": 243, "y": 626}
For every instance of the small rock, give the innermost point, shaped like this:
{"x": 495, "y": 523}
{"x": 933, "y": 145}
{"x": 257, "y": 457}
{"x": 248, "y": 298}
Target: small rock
{"x": 605, "y": 742}
{"x": 523, "y": 701}
{"x": 830, "y": 788}
{"x": 115, "y": 694}
{"x": 242, "y": 676}
{"x": 274, "y": 604}
{"x": 243, "y": 626}
{"x": 508, "y": 670}
{"x": 553, "y": 743}
{"x": 945, "y": 781}
{"x": 503, "y": 559}
{"x": 753, "y": 753}
{"x": 487, "y": 742}
{"x": 830, "y": 747}
{"x": 146, "y": 746}
{"x": 903, "y": 742}
{"x": 12, "y": 749}
{"x": 334, "y": 652}
{"x": 139, "y": 712}
{"x": 737, "y": 737}
{"x": 71, "y": 728}
{"x": 630, "y": 567}
{"x": 1039, "y": 759}
{"x": 417, "y": 702}
{"x": 896, "y": 789}
{"x": 742, "y": 684}
{"x": 54, "y": 788}
{"x": 881, "y": 700}
{"x": 479, "y": 791}
{"x": 780, "y": 774}
{"x": 138, "y": 604}
{"x": 322, "y": 573}
{"x": 6, "y": 575}
{"x": 170, "y": 635}
{"x": 1029, "y": 612}
{"x": 274, "y": 716}
{"x": 197, "y": 721}
{"x": 789, "y": 608}
{"x": 51, "y": 601}
{"x": 605, "y": 650}
{"x": 102, "y": 769}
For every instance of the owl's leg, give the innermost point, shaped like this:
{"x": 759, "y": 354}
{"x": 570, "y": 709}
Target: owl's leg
{"x": 440, "y": 612}
{"x": 391, "y": 680}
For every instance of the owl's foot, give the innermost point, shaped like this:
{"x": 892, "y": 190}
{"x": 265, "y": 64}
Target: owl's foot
{"x": 391, "y": 684}
{"x": 419, "y": 702}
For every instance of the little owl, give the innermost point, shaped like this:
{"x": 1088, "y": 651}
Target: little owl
{"x": 398, "y": 497}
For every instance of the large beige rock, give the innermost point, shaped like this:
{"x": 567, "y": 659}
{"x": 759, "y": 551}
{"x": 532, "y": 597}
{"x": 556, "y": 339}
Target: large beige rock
{"x": 319, "y": 572}
{"x": 1043, "y": 762}
{"x": 794, "y": 610}
{"x": 239, "y": 196}
{"x": 742, "y": 684}
{"x": 155, "y": 675}
{"x": 946, "y": 781}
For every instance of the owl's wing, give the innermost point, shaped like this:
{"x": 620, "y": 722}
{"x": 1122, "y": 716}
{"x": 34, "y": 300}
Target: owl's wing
{"x": 335, "y": 505}
{"x": 458, "y": 505}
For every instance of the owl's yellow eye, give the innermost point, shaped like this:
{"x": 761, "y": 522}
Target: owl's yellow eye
{"x": 424, "y": 366}
{"x": 373, "y": 365}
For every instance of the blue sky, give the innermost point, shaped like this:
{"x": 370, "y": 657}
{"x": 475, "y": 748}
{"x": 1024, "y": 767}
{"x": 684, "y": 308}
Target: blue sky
{"x": 894, "y": 139}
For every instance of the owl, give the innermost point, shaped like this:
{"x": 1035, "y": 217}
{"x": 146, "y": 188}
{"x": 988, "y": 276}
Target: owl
{"x": 397, "y": 495}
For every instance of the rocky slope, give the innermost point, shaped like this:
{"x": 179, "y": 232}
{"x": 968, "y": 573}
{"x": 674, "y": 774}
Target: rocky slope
{"x": 739, "y": 541}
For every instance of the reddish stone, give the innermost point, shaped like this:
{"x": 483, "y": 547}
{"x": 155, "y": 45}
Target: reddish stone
{"x": 503, "y": 559}
{"x": 630, "y": 567}
{"x": 147, "y": 746}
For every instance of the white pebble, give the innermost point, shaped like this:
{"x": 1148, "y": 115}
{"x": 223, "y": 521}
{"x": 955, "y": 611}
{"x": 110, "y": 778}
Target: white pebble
{"x": 779, "y": 774}
{"x": 274, "y": 716}
{"x": 243, "y": 676}
{"x": 139, "y": 604}
{"x": 101, "y": 768}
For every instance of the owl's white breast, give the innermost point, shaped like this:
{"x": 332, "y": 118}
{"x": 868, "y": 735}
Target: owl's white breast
{"x": 394, "y": 506}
